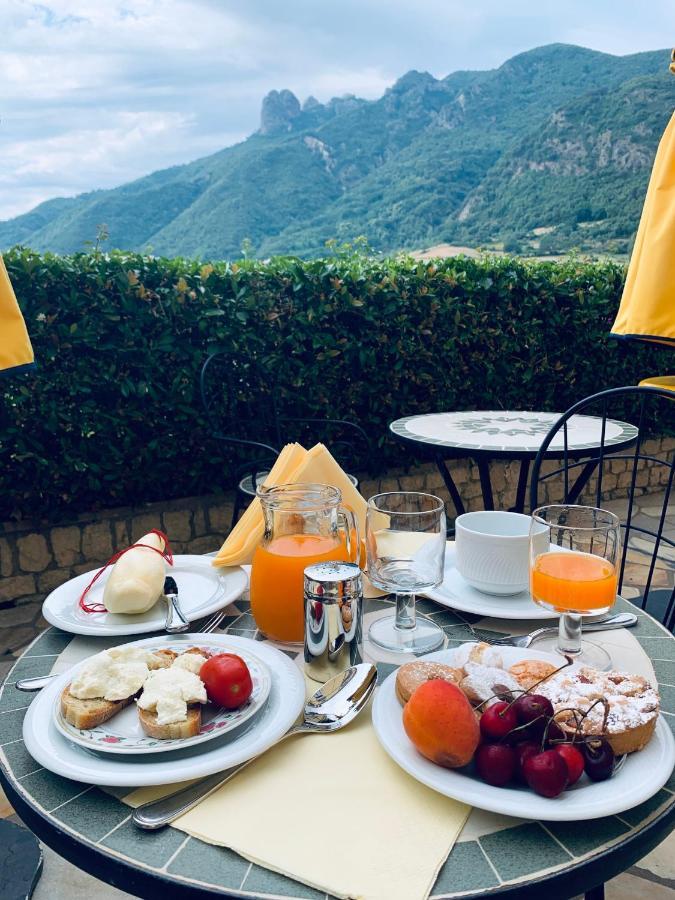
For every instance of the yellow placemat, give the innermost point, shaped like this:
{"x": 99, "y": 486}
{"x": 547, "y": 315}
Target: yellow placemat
{"x": 334, "y": 812}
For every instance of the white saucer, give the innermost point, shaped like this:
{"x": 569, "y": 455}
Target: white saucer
{"x": 456, "y": 593}
{"x": 123, "y": 733}
{"x": 642, "y": 775}
{"x": 285, "y": 703}
{"x": 202, "y": 589}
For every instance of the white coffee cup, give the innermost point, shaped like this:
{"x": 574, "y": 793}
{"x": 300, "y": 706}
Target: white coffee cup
{"x": 492, "y": 550}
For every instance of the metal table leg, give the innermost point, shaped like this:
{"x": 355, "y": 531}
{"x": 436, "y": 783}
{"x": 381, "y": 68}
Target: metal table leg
{"x": 485, "y": 483}
{"x": 522, "y": 486}
{"x": 450, "y": 485}
{"x": 582, "y": 481}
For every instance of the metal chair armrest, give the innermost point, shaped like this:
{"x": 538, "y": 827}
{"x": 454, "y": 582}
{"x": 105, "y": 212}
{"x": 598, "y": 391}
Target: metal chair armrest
{"x": 244, "y": 442}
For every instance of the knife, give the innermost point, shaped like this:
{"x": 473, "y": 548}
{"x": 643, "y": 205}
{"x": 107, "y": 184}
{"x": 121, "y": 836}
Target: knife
{"x": 175, "y": 618}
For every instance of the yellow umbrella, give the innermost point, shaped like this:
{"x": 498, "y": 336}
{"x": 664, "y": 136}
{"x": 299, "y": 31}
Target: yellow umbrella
{"x": 16, "y": 352}
{"x": 647, "y": 309}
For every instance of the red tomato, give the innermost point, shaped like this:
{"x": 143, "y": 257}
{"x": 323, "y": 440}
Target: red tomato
{"x": 227, "y": 680}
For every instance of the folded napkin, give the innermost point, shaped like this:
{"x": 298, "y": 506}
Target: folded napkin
{"x": 294, "y": 465}
{"x": 15, "y": 349}
{"x": 334, "y": 812}
{"x": 241, "y": 542}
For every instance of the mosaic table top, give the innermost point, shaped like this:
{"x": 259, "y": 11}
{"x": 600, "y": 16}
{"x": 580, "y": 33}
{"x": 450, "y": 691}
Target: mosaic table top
{"x": 512, "y": 432}
{"x": 495, "y": 855}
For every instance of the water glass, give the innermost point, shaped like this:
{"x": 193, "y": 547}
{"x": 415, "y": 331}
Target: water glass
{"x": 405, "y": 547}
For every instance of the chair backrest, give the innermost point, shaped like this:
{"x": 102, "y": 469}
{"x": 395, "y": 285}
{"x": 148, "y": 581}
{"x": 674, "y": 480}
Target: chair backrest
{"x": 239, "y": 399}
{"x": 615, "y": 480}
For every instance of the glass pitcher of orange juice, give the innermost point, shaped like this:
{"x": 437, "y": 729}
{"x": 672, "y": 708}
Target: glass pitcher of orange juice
{"x": 304, "y": 524}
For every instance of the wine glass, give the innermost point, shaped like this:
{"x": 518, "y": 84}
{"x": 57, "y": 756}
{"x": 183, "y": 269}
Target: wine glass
{"x": 405, "y": 546}
{"x": 574, "y": 573}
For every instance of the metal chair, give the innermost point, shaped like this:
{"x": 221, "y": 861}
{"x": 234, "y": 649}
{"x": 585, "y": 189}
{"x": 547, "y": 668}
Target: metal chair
{"x": 240, "y": 399}
{"x": 652, "y": 410}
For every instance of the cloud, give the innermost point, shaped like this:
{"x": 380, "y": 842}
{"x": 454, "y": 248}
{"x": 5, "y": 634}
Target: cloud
{"x": 96, "y": 94}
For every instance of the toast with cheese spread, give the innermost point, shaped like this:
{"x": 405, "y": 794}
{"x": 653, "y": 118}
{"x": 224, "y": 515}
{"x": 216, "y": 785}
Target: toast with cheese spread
{"x": 169, "y": 706}
{"x": 90, "y": 711}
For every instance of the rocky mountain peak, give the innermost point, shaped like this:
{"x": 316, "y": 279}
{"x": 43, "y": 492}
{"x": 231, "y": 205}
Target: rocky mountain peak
{"x": 310, "y": 104}
{"x": 412, "y": 81}
{"x": 279, "y": 109}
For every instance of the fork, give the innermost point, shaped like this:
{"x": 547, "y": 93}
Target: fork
{"x": 619, "y": 620}
{"x": 36, "y": 684}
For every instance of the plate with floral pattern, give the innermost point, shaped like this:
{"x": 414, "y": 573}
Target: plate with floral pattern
{"x": 123, "y": 733}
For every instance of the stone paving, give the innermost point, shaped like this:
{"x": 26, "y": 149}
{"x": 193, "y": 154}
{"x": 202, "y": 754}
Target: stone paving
{"x": 653, "y": 878}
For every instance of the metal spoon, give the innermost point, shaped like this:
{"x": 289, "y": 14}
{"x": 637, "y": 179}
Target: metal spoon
{"x": 330, "y": 708}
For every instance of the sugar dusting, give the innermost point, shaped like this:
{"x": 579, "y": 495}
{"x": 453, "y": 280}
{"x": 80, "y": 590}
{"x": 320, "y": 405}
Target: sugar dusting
{"x": 632, "y": 700}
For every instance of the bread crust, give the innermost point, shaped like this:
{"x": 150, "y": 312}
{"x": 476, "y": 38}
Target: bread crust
{"x": 190, "y": 727}
{"x": 86, "y": 714}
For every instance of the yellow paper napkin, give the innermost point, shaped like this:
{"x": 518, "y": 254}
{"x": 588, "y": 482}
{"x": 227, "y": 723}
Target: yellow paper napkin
{"x": 294, "y": 465}
{"x": 334, "y": 812}
{"x": 245, "y": 536}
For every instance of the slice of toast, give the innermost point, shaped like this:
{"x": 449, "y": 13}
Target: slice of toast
{"x": 173, "y": 730}
{"x": 164, "y": 658}
{"x": 89, "y": 713}
{"x": 94, "y": 711}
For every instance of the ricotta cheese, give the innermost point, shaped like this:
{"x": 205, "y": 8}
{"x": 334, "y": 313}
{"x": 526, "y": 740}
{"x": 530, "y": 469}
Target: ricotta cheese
{"x": 110, "y": 676}
{"x": 191, "y": 662}
{"x": 168, "y": 692}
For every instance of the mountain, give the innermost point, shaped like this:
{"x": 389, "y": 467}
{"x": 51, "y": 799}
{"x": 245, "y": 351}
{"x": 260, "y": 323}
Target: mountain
{"x": 551, "y": 150}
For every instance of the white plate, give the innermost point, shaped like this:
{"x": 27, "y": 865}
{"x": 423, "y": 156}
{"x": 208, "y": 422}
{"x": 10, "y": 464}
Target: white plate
{"x": 286, "y": 700}
{"x": 123, "y": 733}
{"x": 456, "y": 593}
{"x": 202, "y": 589}
{"x": 642, "y": 775}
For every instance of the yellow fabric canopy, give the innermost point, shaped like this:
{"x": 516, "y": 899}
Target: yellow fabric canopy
{"x": 647, "y": 310}
{"x": 15, "y": 347}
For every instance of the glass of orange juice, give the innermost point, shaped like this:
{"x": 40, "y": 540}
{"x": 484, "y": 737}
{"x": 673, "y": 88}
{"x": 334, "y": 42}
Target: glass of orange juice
{"x": 576, "y": 575}
{"x": 304, "y": 524}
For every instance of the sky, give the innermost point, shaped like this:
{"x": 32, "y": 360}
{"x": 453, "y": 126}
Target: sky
{"x": 94, "y": 94}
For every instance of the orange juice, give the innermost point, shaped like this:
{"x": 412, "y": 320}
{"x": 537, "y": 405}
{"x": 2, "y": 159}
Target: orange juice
{"x": 277, "y": 581}
{"x": 573, "y": 582}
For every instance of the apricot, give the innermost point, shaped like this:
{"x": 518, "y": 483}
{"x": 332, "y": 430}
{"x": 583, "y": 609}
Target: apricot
{"x": 441, "y": 724}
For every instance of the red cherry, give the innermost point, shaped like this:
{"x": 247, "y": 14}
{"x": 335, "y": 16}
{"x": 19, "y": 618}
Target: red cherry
{"x": 495, "y": 763}
{"x": 530, "y": 707}
{"x": 546, "y": 773}
{"x": 599, "y": 759}
{"x": 498, "y": 721}
{"x": 555, "y": 735}
{"x": 523, "y": 751}
{"x": 574, "y": 760}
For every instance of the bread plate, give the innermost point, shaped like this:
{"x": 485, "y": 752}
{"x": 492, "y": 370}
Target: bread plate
{"x": 202, "y": 589}
{"x": 60, "y": 755}
{"x": 643, "y": 774}
{"x": 123, "y": 733}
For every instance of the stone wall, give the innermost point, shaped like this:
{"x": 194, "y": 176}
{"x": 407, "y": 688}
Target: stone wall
{"x": 35, "y": 558}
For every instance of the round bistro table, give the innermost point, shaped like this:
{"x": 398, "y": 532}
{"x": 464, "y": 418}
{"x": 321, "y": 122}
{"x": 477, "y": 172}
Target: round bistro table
{"x": 496, "y": 856}
{"x": 485, "y": 435}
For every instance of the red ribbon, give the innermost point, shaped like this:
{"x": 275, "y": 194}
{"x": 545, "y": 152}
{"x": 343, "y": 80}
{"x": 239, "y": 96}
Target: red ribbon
{"x": 166, "y": 553}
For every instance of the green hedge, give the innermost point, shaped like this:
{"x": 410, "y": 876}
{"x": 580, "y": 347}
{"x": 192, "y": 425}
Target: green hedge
{"x": 111, "y": 416}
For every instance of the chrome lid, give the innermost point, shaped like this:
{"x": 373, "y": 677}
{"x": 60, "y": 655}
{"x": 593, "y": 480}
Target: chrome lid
{"x": 332, "y": 581}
